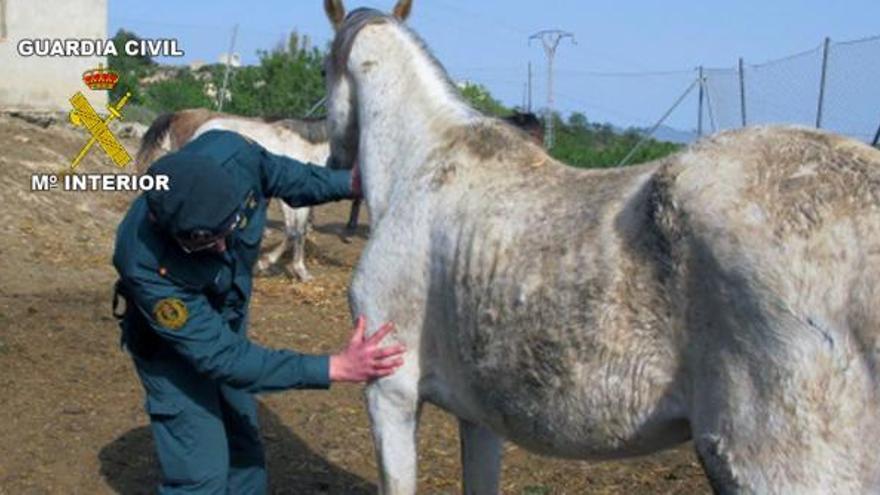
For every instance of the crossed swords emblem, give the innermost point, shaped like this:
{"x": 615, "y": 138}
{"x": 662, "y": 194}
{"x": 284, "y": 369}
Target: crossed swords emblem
{"x": 84, "y": 115}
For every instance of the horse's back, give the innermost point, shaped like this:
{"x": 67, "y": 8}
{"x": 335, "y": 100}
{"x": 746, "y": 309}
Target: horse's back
{"x": 788, "y": 181}
{"x": 796, "y": 209}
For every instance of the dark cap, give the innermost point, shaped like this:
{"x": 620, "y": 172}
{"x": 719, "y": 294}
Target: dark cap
{"x": 201, "y": 194}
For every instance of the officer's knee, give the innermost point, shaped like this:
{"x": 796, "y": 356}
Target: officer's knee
{"x": 191, "y": 449}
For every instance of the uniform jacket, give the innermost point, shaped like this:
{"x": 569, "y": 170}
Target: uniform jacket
{"x": 195, "y": 306}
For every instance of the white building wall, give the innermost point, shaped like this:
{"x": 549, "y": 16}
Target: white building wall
{"x": 47, "y": 83}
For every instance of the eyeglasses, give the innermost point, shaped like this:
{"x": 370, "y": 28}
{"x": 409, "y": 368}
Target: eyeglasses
{"x": 203, "y": 239}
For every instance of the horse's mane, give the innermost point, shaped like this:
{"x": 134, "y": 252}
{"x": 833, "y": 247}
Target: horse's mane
{"x": 478, "y": 133}
{"x": 358, "y": 19}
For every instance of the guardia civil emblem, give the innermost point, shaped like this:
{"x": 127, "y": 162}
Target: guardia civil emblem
{"x": 171, "y": 313}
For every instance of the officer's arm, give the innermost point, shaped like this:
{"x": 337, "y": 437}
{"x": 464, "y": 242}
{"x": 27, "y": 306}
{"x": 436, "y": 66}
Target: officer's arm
{"x": 199, "y": 334}
{"x": 301, "y": 184}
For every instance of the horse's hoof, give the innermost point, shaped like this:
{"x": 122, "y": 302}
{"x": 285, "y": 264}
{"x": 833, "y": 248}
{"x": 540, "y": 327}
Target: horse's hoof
{"x": 265, "y": 269}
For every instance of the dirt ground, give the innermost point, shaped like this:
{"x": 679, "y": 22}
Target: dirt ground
{"x": 71, "y": 408}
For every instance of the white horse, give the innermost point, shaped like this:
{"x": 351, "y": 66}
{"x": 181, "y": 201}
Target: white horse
{"x": 727, "y": 294}
{"x": 303, "y": 140}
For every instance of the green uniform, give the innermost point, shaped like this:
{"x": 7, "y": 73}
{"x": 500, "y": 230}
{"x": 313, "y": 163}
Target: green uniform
{"x": 186, "y": 314}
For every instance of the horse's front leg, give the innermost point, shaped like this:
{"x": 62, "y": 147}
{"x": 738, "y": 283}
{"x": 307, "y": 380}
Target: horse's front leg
{"x": 480, "y": 458}
{"x": 394, "y": 407}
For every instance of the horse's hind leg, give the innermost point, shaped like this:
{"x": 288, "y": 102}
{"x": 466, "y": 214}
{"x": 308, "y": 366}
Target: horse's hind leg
{"x": 776, "y": 464}
{"x": 717, "y": 464}
{"x": 271, "y": 258}
{"x": 793, "y": 417}
{"x": 480, "y": 458}
{"x": 296, "y": 222}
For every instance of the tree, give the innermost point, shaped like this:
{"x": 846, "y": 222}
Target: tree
{"x": 130, "y": 68}
{"x": 287, "y": 82}
{"x": 479, "y": 97}
{"x": 578, "y": 121}
{"x": 177, "y": 93}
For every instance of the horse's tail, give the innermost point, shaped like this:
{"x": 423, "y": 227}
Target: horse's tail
{"x": 152, "y": 142}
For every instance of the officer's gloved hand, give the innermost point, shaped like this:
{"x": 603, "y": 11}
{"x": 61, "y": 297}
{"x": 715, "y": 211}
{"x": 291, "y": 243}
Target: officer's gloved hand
{"x": 363, "y": 359}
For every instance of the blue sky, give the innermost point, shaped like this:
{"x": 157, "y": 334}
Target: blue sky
{"x": 486, "y": 41}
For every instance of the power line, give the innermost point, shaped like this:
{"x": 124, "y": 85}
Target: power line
{"x": 588, "y": 73}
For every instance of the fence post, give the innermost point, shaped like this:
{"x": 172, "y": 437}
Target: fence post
{"x": 742, "y": 92}
{"x": 651, "y": 132}
{"x": 700, "y": 106}
{"x": 822, "y": 83}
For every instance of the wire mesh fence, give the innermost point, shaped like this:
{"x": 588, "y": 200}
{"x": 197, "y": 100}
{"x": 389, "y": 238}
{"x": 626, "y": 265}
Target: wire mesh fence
{"x": 835, "y": 86}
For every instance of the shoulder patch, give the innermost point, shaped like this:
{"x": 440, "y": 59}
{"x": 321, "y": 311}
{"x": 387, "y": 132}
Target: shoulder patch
{"x": 171, "y": 313}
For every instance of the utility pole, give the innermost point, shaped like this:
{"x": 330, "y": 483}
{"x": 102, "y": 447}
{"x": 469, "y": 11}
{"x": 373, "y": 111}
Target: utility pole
{"x": 529, "y": 106}
{"x": 700, "y": 104}
{"x": 742, "y": 92}
{"x": 822, "y": 81}
{"x": 222, "y": 94}
{"x": 550, "y": 38}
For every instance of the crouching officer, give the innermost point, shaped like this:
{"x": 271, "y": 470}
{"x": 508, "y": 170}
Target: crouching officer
{"x": 185, "y": 258}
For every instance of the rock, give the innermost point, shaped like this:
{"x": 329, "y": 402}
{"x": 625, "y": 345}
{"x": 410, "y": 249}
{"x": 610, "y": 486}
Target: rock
{"x": 128, "y": 129}
{"x": 42, "y": 119}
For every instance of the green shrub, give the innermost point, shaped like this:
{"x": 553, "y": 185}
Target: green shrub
{"x": 177, "y": 93}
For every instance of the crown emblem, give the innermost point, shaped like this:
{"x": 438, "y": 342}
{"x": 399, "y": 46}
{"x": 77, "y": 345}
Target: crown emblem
{"x": 100, "y": 78}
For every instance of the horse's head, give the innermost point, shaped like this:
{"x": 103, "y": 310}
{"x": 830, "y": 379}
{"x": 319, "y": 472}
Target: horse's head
{"x": 342, "y": 118}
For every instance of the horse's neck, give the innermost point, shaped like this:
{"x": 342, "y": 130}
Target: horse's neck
{"x": 404, "y": 105}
